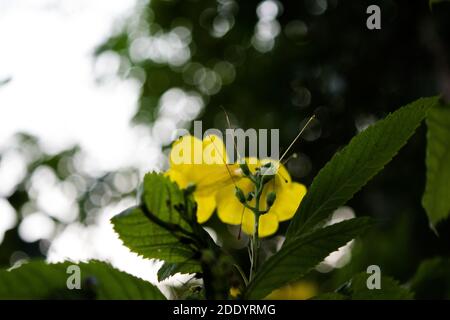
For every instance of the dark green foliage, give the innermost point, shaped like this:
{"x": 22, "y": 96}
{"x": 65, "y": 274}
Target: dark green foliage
{"x": 432, "y": 279}
{"x": 38, "y": 280}
{"x": 352, "y": 167}
{"x": 301, "y": 255}
{"x": 436, "y": 199}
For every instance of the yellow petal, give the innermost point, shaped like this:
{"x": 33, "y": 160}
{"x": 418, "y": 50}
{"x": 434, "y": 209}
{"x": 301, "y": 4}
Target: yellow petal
{"x": 211, "y": 178}
{"x": 189, "y": 150}
{"x": 201, "y": 163}
{"x": 205, "y": 204}
{"x": 186, "y": 151}
{"x": 284, "y": 174}
{"x": 234, "y": 292}
{"x": 288, "y": 200}
{"x": 301, "y": 290}
{"x": 205, "y": 207}
{"x": 229, "y": 209}
{"x": 178, "y": 177}
{"x": 248, "y": 222}
{"x": 268, "y": 225}
{"x": 214, "y": 150}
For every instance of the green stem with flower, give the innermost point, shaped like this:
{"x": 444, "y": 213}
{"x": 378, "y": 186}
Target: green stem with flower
{"x": 259, "y": 179}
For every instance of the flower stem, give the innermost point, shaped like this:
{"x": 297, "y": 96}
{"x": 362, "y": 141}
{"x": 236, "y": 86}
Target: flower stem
{"x": 242, "y": 273}
{"x": 255, "y": 238}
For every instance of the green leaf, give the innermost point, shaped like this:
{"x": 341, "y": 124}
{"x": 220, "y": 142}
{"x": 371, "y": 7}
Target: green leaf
{"x": 165, "y": 227}
{"x": 351, "y": 168}
{"x": 157, "y": 229}
{"x": 301, "y": 255}
{"x": 356, "y": 289}
{"x": 436, "y": 199}
{"x": 38, "y": 280}
{"x": 148, "y": 239}
{"x": 432, "y": 279}
{"x": 390, "y": 289}
{"x": 162, "y": 197}
{"x": 169, "y": 269}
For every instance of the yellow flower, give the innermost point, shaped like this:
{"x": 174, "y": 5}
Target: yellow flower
{"x": 288, "y": 197}
{"x": 301, "y": 290}
{"x": 203, "y": 164}
{"x": 234, "y": 292}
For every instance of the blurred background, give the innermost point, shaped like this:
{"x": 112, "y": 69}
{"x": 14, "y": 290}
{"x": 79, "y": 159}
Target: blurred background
{"x": 91, "y": 92}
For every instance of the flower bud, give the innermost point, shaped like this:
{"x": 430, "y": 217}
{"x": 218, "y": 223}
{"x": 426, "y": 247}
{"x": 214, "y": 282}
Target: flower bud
{"x": 270, "y": 199}
{"x": 269, "y": 169}
{"x": 267, "y": 165}
{"x": 240, "y": 195}
{"x": 245, "y": 169}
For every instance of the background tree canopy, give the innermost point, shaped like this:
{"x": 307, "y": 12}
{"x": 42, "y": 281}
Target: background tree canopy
{"x": 273, "y": 64}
